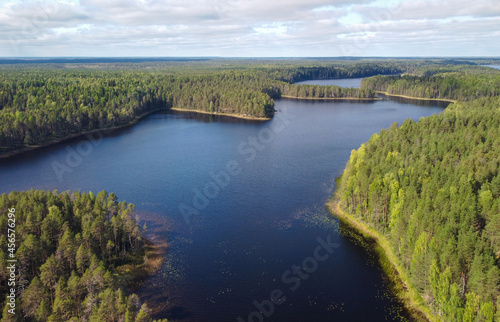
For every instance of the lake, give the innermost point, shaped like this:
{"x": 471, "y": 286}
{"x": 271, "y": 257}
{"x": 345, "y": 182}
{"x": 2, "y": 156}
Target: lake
{"x": 241, "y": 204}
{"x": 343, "y": 82}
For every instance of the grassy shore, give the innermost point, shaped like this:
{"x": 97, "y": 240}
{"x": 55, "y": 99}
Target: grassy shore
{"x": 143, "y": 265}
{"x": 389, "y": 262}
{"x": 246, "y": 117}
{"x": 331, "y": 98}
{"x": 418, "y": 98}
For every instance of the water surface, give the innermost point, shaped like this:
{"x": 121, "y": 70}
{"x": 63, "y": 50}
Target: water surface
{"x": 343, "y": 82}
{"x": 257, "y": 222}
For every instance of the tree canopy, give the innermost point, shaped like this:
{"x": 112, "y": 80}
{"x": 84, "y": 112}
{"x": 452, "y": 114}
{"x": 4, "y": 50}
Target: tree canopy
{"x": 433, "y": 188}
{"x": 68, "y": 248}
{"x": 42, "y": 104}
{"x": 463, "y": 83}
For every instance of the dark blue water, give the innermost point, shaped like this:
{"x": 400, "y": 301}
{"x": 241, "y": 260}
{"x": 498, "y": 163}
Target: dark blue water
{"x": 343, "y": 82}
{"x": 264, "y": 187}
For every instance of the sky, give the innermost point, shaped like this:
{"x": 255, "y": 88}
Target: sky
{"x": 249, "y": 28}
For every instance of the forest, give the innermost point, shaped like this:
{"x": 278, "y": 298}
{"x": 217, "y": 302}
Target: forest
{"x": 40, "y": 104}
{"x": 69, "y": 246}
{"x": 432, "y": 187}
{"x": 323, "y": 92}
{"x": 462, "y": 83}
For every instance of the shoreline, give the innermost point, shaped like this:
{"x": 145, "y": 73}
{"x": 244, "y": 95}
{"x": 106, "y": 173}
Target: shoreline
{"x": 76, "y": 135}
{"x": 133, "y": 274}
{"x": 134, "y": 121}
{"x": 332, "y": 98}
{"x": 253, "y": 118}
{"x": 418, "y": 98}
{"x": 413, "y": 302}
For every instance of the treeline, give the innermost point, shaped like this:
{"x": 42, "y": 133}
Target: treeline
{"x": 41, "y": 105}
{"x": 328, "y": 91}
{"x": 464, "y": 83}
{"x": 433, "y": 189}
{"x": 338, "y": 70}
{"x": 67, "y": 248}
{"x": 328, "y": 69}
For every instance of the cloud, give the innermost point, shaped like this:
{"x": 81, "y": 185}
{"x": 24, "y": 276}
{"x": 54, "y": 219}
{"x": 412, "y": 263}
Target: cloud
{"x": 432, "y": 9}
{"x": 249, "y": 28}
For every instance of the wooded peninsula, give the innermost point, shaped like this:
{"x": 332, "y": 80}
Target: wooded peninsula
{"x": 69, "y": 251}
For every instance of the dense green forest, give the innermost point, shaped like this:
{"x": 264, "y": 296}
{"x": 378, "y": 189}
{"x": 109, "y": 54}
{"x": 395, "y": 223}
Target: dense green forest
{"x": 328, "y": 91}
{"x": 463, "y": 83}
{"x": 292, "y": 74}
{"x": 432, "y": 187}
{"x": 42, "y": 104}
{"x": 68, "y": 246}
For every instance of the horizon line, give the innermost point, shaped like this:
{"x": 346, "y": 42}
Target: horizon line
{"x": 242, "y": 57}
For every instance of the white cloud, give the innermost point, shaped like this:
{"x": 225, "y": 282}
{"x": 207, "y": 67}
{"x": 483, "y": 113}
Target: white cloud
{"x": 249, "y": 28}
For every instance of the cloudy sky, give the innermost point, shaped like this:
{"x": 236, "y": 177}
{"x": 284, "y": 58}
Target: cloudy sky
{"x": 243, "y": 28}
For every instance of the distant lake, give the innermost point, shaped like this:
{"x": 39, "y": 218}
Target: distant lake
{"x": 345, "y": 82}
{"x": 258, "y": 190}
{"x": 494, "y": 66}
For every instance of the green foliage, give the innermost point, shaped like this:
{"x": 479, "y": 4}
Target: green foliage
{"x": 328, "y": 91}
{"x": 41, "y": 105}
{"x": 433, "y": 188}
{"x": 68, "y": 248}
{"x": 463, "y": 83}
